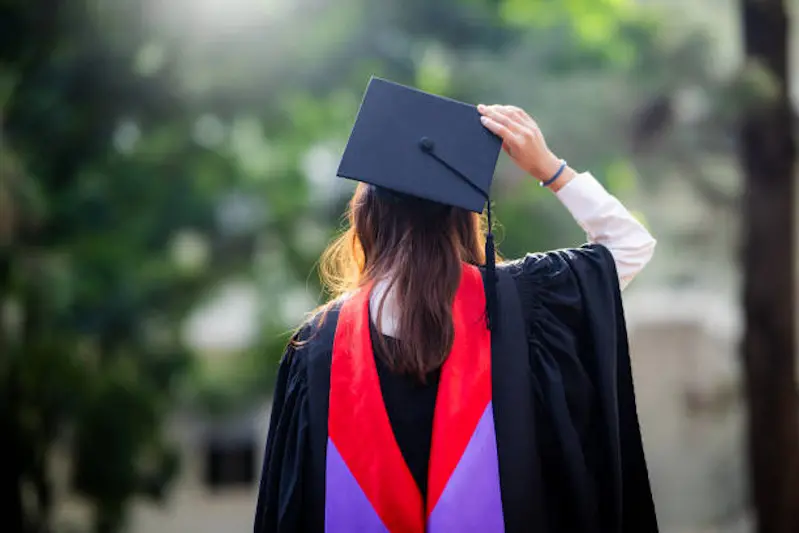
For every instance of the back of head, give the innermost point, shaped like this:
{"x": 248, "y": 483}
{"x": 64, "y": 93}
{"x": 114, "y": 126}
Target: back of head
{"x": 417, "y": 247}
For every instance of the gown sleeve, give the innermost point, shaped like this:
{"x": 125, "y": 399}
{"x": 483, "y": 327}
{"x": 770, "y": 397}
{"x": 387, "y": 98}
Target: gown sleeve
{"x": 278, "y": 509}
{"x": 592, "y": 464}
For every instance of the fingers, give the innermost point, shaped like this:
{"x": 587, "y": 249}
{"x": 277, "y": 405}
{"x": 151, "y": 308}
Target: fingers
{"x": 501, "y": 125}
{"x": 508, "y": 121}
{"x": 521, "y": 116}
{"x": 521, "y": 136}
{"x": 514, "y": 113}
{"x": 497, "y": 128}
{"x": 513, "y": 118}
{"x": 504, "y": 115}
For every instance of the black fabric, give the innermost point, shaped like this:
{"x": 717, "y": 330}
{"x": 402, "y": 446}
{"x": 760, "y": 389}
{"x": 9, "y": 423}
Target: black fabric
{"x": 281, "y": 486}
{"x": 565, "y": 380}
{"x": 633, "y": 496}
{"x": 410, "y": 405}
{"x": 320, "y": 357}
{"x": 291, "y": 492}
{"x": 594, "y": 472}
{"x": 571, "y": 458}
{"x": 514, "y": 413}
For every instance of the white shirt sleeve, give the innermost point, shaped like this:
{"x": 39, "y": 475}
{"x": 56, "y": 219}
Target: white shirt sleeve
{"x": 606, "y": 221}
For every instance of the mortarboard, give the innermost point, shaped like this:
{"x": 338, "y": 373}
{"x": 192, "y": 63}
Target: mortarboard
{"x": 427, "y": 146}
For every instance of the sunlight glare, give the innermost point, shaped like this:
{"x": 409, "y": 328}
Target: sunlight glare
{"x": 220, "y": 16}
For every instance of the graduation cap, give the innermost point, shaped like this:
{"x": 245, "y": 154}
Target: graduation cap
{"x": 428, "y": 146}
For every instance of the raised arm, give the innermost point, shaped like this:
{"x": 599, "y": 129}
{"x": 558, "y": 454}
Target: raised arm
{"x": 601, "y": 215}
{"x": 606, "y": 221}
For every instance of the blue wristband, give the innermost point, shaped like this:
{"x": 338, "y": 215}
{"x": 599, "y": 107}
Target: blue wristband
{"x": 552, "y": 180}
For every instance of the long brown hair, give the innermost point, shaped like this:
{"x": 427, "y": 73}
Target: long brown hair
{"x": 418, "y": 247}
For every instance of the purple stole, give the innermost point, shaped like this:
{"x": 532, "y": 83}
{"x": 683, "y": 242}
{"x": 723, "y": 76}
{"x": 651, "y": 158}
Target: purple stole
{"x": 369, "y": 488}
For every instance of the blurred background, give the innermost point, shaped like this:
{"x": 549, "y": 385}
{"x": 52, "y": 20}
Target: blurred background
{"x": 167, "y": 183}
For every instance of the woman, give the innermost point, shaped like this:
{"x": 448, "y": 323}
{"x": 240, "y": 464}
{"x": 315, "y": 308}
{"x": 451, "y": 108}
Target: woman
{"x": 399, "y": 409}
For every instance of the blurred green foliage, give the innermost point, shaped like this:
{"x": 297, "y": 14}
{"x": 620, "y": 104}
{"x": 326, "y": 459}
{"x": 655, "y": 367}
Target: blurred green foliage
{"x": 151, "y": 151}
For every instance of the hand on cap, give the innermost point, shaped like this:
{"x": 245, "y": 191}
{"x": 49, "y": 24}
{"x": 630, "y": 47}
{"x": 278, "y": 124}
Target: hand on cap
{"x": 521, "y": 139}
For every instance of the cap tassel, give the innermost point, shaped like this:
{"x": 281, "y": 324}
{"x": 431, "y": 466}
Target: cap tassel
{"x": 489, "y": 281}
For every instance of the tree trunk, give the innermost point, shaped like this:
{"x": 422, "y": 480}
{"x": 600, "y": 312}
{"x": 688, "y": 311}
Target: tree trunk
{"x": 768, "y": 154}
{"x": 11, "y": 471}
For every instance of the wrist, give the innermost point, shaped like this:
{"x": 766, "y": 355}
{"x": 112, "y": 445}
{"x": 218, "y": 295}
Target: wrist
{"x": 565, "y": 177}
{"x": 548, "y": 169}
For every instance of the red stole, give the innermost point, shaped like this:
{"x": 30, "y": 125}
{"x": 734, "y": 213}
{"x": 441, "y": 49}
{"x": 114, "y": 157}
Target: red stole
{"x": 358, "y": 425}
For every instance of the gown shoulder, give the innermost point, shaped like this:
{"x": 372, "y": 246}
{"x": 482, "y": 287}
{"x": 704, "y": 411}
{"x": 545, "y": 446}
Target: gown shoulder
{"x": 286, "y": 463}
{"x": 550, "y": 284}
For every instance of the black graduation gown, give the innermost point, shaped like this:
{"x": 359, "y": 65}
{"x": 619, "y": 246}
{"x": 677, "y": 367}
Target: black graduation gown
{"x": 569, "y": 444}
